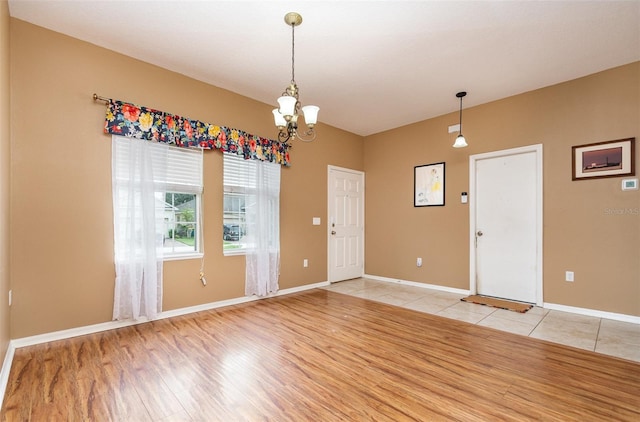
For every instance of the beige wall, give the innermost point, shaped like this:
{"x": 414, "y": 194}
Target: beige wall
{"x": 580, "y": 233}
{"x": 5, "y": 165}
{"x": 62, "y": 236}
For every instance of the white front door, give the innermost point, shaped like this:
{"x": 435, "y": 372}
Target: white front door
{"x": 345, "y": 224}
{"x": 506, "y": 210}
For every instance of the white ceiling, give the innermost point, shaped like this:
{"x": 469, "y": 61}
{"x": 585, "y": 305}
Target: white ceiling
{"x": 370, "y": 65}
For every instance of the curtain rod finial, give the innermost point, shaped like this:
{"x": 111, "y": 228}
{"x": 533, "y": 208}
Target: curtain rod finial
{"x": 96, "y": 97}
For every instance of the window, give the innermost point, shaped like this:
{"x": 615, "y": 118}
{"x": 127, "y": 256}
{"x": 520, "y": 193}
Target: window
{"x": 241, "y": 185}
{"x": 177, "y": 180}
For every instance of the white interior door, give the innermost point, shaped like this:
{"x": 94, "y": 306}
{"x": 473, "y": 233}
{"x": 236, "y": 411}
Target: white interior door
{"x": 345, "y": 224}
{"x": 507, "y": 224}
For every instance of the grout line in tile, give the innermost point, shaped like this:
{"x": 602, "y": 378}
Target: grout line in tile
{"x": 485, "y": 317}
{"x": 595, "y": 344}
{"x": 539, "y": 322}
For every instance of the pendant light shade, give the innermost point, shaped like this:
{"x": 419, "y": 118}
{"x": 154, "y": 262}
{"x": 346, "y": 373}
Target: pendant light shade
{"x": 287, "y": 106}
{"x": 460, "y": 141}
{"x": 279, "y": 119}
{"x": 310, "y": 114}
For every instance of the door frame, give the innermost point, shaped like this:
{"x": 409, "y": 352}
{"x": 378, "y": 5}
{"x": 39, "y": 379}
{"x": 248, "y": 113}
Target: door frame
{"x": 330, "y": 168}
{"x": 473, "y": 159}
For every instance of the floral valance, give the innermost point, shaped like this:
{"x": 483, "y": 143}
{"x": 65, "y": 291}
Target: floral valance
{"x": 144, "y": 123}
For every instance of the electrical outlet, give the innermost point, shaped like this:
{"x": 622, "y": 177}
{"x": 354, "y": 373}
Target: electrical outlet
{"x": 10, "y": 297}
{"x": 419, "y": 262}
{"x": 305, "y": 263}
{"x": 568, "y": 275}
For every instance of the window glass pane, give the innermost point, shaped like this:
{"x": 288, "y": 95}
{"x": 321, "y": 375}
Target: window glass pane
{"x": 234, "y": 222}
{"x": 181, "y": 223}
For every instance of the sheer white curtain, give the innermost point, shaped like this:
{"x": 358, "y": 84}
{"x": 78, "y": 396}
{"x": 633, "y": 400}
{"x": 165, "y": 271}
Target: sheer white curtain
{"x": 263, "y": 231}
{"x": 138, "y": 208}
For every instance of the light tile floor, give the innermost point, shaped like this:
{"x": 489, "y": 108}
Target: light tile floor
{"x": 616, "y": 338}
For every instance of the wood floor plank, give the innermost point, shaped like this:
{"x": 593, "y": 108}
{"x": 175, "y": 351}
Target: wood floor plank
{"x": 316, "y": 356}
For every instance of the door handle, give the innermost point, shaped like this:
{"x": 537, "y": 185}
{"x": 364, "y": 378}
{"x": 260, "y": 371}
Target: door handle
{"x": 333, "y": 232}
{"x": 478, "y": 234}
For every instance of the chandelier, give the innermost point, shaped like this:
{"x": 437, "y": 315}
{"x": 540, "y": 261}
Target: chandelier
{"x": 286, "y": 115}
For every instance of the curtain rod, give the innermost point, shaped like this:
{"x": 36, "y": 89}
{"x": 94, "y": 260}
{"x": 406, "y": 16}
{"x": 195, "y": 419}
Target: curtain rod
{"x": 96, "y": 97}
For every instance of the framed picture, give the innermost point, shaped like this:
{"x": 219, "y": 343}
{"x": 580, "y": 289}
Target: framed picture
{"x": 428, "y": 185}
{"x": 603, "y": 159}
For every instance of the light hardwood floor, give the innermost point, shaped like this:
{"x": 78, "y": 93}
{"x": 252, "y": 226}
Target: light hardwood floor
{"x": 316, "y": 356}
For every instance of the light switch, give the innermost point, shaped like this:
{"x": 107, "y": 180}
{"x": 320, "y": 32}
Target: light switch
{"x": 316, "y": 221}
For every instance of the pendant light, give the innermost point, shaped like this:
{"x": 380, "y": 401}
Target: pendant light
{"x": 460, "y": 141}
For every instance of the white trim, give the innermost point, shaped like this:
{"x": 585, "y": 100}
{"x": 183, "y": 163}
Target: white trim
{"x": 96, "y": 328}
{"x": 537, "y": 148}
{"x": 593, "y": 312}
{"x": 178, "y": 257}
{"x": 234, "y": 252}
{"x": 73, "y": 332}
{"x": 6, "y": 369}
{"x": 303, "y": 288}
{"x": 418, "y": 284}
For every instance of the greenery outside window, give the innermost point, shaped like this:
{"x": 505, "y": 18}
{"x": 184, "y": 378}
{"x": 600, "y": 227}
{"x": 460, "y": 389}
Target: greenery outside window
{"x": 181, "y": 229}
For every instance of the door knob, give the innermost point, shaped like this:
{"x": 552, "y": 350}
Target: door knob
{"x": 333, "y": 232}
{"x": 479, "y": 233}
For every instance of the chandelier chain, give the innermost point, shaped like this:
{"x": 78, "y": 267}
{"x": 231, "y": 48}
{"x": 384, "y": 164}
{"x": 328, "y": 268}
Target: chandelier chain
{"x": 293, "y": 50}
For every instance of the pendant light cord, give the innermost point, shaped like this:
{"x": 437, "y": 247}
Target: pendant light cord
{"x": 460, "y": 115}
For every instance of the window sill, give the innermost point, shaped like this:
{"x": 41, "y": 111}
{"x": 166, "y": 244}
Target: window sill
{"x": 183, "y": 257}
{"x": 234, "y": 252}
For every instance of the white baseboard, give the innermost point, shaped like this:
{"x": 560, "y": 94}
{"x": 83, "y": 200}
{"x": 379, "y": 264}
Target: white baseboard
{"x": 96, "y": 328}
{"x": 593, "y": 312}
{"x": 417, "y": 284}
{"x": 6, "y": 368}
{"x": 581, "y": 311}
{"x": 237, "y": 301}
